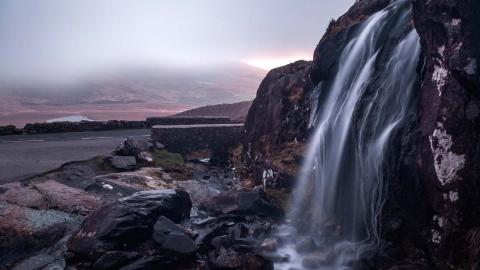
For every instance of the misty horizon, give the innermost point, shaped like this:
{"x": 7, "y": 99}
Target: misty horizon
{"x": 59, "y": 41}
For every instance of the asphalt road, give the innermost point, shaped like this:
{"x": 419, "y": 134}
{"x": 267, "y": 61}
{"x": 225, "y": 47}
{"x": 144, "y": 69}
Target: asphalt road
{"x": 23, "y": 156}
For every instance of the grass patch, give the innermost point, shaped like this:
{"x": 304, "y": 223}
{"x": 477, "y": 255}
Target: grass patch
{"x": 165, "y": 159}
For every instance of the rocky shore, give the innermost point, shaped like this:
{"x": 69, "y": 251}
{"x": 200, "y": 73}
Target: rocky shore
{"x": 141, "y": 207}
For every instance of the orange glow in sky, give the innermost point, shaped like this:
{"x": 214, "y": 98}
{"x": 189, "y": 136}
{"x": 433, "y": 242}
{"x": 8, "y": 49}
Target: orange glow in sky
{"x": 270, "y": 63}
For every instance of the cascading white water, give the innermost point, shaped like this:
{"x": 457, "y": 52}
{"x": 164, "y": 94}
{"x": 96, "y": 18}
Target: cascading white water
{"x": 340, "y": 190}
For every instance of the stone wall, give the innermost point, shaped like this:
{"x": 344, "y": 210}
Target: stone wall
{"x": 59, "y": 127}
{"x": 186, "y": 139}
{"x": 10, "y": 130}
{"x": 153, "y": 121}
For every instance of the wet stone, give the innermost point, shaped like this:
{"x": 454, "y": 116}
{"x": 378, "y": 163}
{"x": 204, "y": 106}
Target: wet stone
{"x": 121, "y": 163}
{"x": 306, "y": 245}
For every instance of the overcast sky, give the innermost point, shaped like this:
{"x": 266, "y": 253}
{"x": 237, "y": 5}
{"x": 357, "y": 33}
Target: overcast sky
{"x": 42, "y": 38}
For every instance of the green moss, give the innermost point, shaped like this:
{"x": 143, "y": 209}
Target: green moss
{"x": 165, "y": 159}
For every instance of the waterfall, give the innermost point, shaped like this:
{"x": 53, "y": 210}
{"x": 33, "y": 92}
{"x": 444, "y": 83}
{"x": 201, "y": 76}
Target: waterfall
{"x": 341, "y": 187}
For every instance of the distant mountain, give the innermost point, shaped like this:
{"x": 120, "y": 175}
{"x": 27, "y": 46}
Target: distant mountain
{"x": 236, "y": 111}
{"x": 130, "y": 94}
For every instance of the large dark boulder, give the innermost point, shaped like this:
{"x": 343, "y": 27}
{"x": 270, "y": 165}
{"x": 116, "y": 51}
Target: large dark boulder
{"x": 449, "y": 112}
{"x": 277, "y": 123}
{"x": 244, "y": 203}
{"x": 129, "y": 222}
{"x": 171, "y": 237}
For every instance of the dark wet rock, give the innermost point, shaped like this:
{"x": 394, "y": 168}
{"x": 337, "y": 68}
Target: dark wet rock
{"x": 179, "y": 243}
{"x": 231, "y": 259}
{"x": 449, "y": 125}
{"x": 269, "y": 244}
{"x": 159, "y": 145}
{"x": 171, "y": 237}
{"x": 129, "y": 222}
{"x": 77, "y": 174}
{"x": 115, "y": 259}
{"x": 306, "y": 245}
{"x": 35, "y": 262}
{"x": 276, "y": 125}
{"x": 153, "y": 263}
{"x": 205, "y": 221}
{"x": 132, "y": 147}
{"x": 253, "y": 202}
{"x": 222, "y": 241}
{"x": 121, "y": 163}
{"x": 199, "y": 191}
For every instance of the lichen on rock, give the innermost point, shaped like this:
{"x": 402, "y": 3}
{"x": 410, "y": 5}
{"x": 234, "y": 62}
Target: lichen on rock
{"x": 447, "y": 163}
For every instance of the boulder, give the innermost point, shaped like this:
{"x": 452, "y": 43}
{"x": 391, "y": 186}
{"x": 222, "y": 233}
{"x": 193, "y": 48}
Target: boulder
{"x": 231, "y": 259}
{"x": 121, "y": 163}
{"x": 18, "y": 194}
{"x": 245, "y": 203}
{"x": 115, "y": 260}
{"x": 41, "y": 261}
{"x": 116, "y": 185}
{"x": 129, "y": 222}
{"x": 222, "y": 241}
{"x": 68, "y": 199}
{"x": 171, "y": 237}
{"x": 276, "y": 127}
{"x": 154, "y": 262}
{"x": 24, "y": 231}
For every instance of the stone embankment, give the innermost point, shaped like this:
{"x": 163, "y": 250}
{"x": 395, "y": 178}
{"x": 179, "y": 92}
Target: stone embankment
{"x": 60, "y": 127}
{"x": 218, "y": 139}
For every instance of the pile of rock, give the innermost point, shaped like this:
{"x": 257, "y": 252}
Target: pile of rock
{"x": 153, "y": 229}
{"x": 103, "y": 214}
{"x": 129, "y": 153}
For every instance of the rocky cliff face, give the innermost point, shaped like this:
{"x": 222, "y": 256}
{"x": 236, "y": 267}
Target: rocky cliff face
{"x": 430, "y": 219}
{"x": 449, "y": 124}
{"x": 277, "y": 123}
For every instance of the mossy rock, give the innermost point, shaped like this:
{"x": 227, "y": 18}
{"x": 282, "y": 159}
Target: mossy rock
{"x": 165, "y": 159}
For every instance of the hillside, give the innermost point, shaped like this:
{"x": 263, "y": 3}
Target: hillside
{"x": 129, "y": 94}
{"x": 236, "y": 111}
